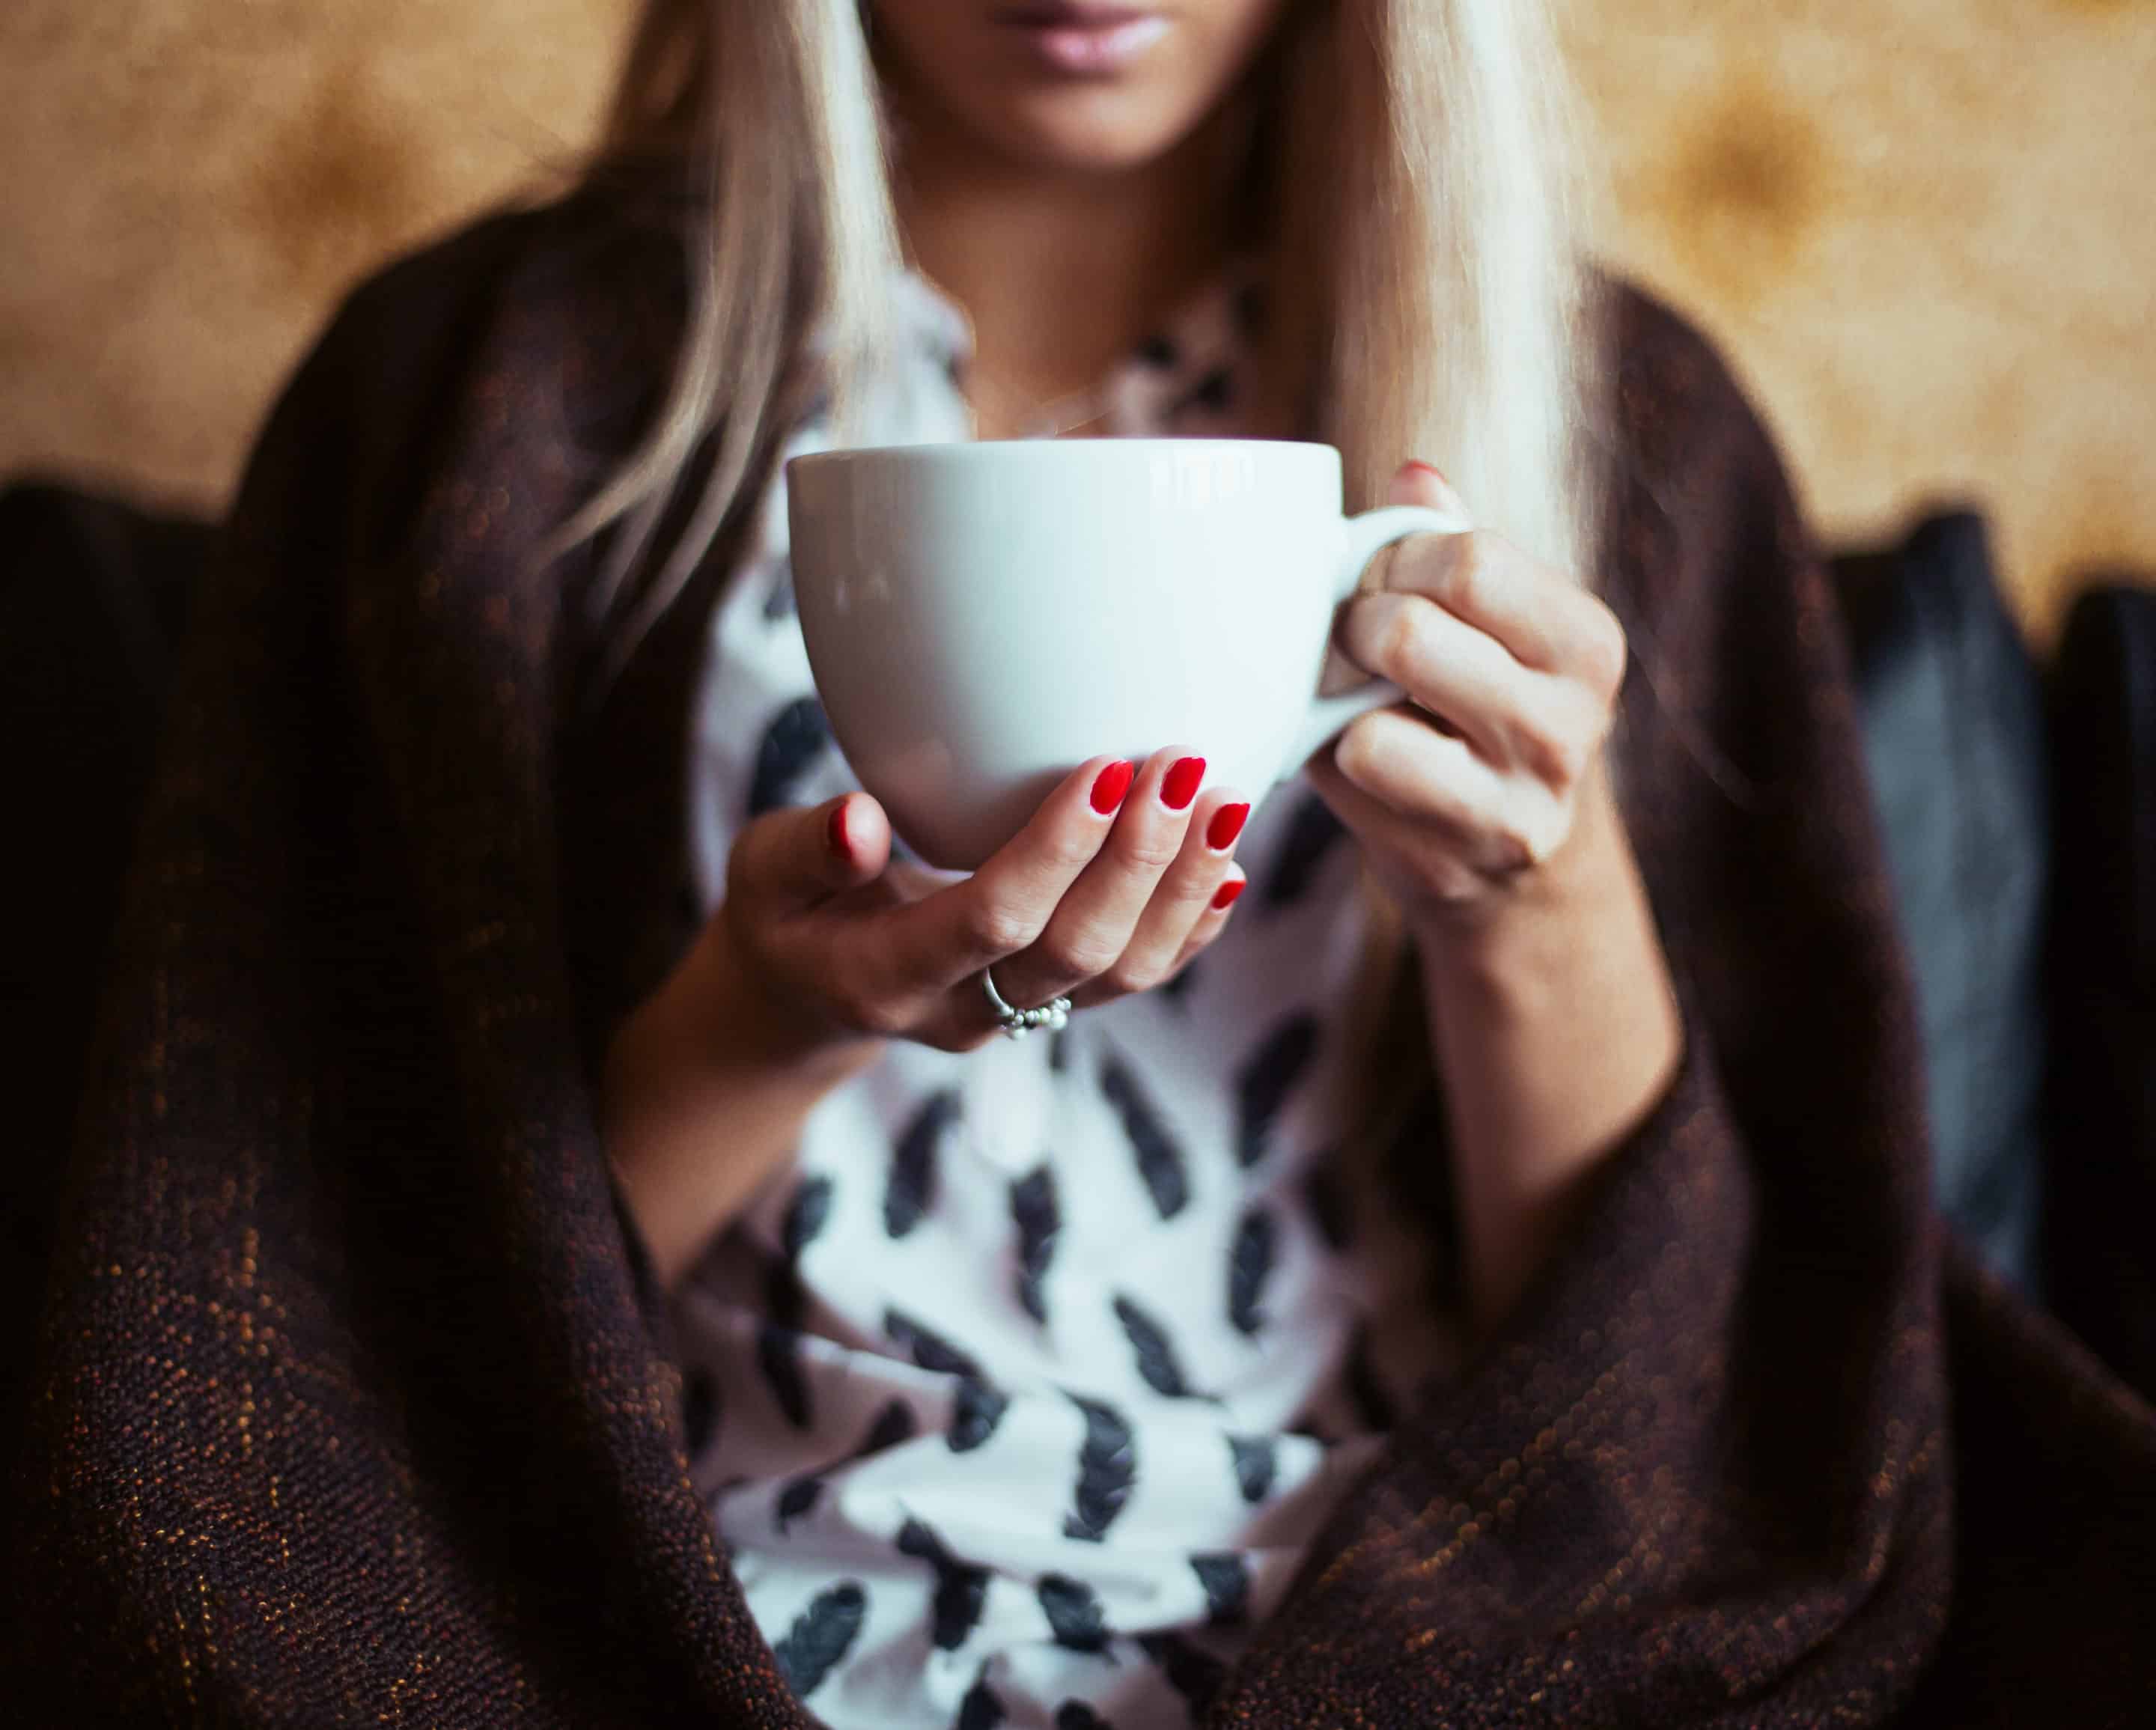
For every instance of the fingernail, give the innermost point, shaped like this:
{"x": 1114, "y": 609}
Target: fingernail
{"x": 1422, "y": 468}
{"x": 1227, "y": 824}
{"x": 1179, "y": 786}
{"x": 1112, "y": 783}
{"x": 842, "y": 843}
{"x": 1224, "y": 896}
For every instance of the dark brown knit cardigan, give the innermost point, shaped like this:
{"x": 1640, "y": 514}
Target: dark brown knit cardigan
{"x": 349, "y": 1408}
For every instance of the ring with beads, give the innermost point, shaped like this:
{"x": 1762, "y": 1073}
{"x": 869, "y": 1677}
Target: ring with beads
{"x": 1016, "y": 1023}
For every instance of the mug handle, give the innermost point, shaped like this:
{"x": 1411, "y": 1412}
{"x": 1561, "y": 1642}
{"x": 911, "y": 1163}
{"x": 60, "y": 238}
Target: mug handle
{"x": 1361, "y": 539}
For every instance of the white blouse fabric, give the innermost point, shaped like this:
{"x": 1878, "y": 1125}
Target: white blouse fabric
{"x": 1018, "y": 1395}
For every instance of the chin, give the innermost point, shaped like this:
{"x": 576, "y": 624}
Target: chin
{"x": 1088, "y": 133}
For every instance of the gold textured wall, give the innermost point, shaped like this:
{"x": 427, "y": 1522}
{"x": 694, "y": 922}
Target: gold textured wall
{"x": 187, "y": 186}
{"x": 1925, "y": 229}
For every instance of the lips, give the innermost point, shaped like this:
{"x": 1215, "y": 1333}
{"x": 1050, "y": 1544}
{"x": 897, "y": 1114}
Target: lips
{"x": 1082, "y": 39}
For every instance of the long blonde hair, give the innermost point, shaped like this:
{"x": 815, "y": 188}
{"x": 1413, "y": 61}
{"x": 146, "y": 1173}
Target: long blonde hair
{"x": 1422, "y": 148}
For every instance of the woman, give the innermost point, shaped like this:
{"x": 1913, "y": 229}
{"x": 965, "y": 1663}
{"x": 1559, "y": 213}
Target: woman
{"x": 1067, "y": 176}
{"x": 1120, "y": 1378}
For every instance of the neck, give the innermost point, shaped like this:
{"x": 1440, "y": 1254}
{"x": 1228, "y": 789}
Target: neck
{"x": 1059, "y": 274}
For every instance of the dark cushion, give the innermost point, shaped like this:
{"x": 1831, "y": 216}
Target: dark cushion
{"x": 2100, "y": 1224}
{"x": 1953, "y": 736}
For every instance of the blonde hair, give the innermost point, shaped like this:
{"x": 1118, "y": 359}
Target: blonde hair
{"x": 1420, "y": 148}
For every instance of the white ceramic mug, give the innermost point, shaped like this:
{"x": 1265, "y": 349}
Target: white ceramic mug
{"x": 981, "y": 619}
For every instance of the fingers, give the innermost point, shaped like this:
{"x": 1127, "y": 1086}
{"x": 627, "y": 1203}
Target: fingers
{"x": 1515, "y": 717}
{"x": 1004, "y": 906}
{"x": 1541, "y": 618}
{"x": 1415, "y": 771}
{"x": 1093, "y": 925}
{"x": 1418, "y": 482}
{"x": 1186, "y": 910}
{"x": 1123, "y": 873}
{"x": 1395, "y": 780}
{"x": 1210, "y": 923}
{"x": 792, "y": 859}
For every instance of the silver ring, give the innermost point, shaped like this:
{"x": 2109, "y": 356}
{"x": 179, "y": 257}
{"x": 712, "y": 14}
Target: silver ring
{"x": 1017, "y": 1023}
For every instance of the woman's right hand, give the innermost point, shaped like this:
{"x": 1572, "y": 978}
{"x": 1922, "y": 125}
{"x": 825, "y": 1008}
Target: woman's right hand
{"x": 1123, "y": 874}
{"x": 822, "y": 951}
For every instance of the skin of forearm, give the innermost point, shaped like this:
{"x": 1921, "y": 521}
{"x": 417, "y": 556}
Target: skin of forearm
{"x": 706, "y": 1090}
{"x": 1554, "y": 1023}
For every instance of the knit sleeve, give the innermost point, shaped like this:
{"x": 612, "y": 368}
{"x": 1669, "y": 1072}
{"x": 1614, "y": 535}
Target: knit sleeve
{"x": 1700, "y": 1472}
{"x": 345, "y": 1396}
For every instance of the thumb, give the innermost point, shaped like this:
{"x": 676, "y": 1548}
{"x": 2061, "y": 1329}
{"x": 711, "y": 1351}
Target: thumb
{"x": 1417, "y": 483}
{"x": 799, "y": 857}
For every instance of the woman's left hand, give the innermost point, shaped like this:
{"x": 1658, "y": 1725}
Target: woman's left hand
{"x": 1461, "y": 796}
{"x": 1483, "y": 805}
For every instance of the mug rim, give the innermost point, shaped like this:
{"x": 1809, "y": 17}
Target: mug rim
{"x": 1002, "y": 449}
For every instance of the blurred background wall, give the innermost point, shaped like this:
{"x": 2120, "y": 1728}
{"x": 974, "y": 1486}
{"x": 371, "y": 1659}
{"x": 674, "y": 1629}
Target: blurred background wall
{"x": 1924, "y": 229}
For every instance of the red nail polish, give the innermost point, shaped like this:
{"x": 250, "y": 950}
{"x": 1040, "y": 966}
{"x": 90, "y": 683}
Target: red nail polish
{"x": 842, "y": 843}
{"x": 1435, "y": 474}
{"x": 1227, "y": 824}
{"x": 1224, "y": 896}
{"x": 1179, "y": 786}
{"x": 1113, "y": 783}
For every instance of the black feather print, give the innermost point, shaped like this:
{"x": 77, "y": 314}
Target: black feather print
{"x": 1374, "y": 1412}
{"x": 1160, "y": 1160}
{"x": 978, "y": 1405}
{"x": 1038, "y": 1217}
{"x": 929, "y": 1348}
{"x": 1311, "y": 834}
{"x": 975, "y": 1413}
{"x": 785, "y": 1302}
{"x": 778, "y": 598}
{"x": 1074, "y": 1614}
{"x": 797, "y": 1501}
{"x": 700, "y": 1409}
{"x": 1332, "y": 1207}
{"x": 1159, "y": 352}
{"x": 1157, "y": 1362}
{"x": 894, "y": 1424}
{"x": 1212, "y": 393}
{"x": 980, "y": 1710}
{"x": 778, "y": 1356}
{"x": 962, "y": 1590}
{"x": 910, "y": 1189}
{"x": 1076, "y": 1715}
{"x": 1257, "y": 1463}
{"x": 807, "y": 1214}
{"x": 1268, "y": 1076}
{"x": 798, "y": 735}
{"x": 1194, "y": 1673}
{"x": 1107, "y": 1467}
{"x": 1226, "y": 1578}
{"x": 820, "y": 1636}
{"x": 1249, "y": 1266}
